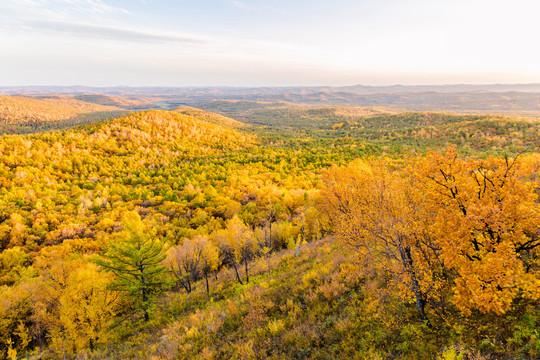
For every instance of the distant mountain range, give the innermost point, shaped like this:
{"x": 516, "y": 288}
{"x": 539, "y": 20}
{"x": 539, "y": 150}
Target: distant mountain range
{"x": 508, "y": 99}
{"x": 239, "y": 91}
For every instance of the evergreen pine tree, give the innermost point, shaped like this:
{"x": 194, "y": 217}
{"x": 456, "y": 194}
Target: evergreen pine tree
{"x": 135, "y": 257}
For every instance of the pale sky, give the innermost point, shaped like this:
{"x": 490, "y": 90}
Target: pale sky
{"x": 268, "y": 42}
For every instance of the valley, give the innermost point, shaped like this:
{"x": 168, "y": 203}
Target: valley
{"x": 249, "y": 224}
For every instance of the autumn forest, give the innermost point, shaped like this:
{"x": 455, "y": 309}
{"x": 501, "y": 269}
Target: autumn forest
{"x": 140, "y": 227}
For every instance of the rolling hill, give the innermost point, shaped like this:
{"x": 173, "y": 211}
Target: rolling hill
{"x": 508, "y": 99}
{"x": 209, "y": 117}
{"x": 23, "y": 114}
{"x": 393, "y": 131}
{"x": 118, "y": 101}
{"x": 254, "y": 197}
{"x": 287, "y": 114}
{"x": 173, "y": 130}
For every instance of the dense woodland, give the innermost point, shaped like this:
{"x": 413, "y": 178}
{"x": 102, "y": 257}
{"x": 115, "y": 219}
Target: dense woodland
{"x": 23, "y": 114}
{"x": 298, "y": 233}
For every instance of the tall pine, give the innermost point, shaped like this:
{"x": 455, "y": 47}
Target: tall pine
{"x": 135, "y": 257}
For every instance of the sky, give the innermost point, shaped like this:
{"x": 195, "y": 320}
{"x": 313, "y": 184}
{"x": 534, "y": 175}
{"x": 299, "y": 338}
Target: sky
{"x": 268, "y": 42}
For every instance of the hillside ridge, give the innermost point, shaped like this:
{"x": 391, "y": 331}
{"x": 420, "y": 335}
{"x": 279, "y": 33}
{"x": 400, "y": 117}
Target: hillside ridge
{"x": 20, "y": 114}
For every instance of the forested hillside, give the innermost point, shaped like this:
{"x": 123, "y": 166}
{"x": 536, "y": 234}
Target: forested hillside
{"x": 118, "y": 101}
{"x": 298, "y": 233}
{"x": 209, "y": 117}
{"x": 23, "y": 114}
{"x": 384, "y": 131}
{"x": 287, "y": 114}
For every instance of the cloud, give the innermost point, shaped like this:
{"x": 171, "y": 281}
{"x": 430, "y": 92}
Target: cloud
{"x": 77, "y": 18}
{"x": 92, "y": 6}
{"x": 100, "y": 6}
{"x": 258, "y": 8}
{"x": 32, "y": 15}
{"x": 241, "y": 5}
{"x": 107, "y": 32}
{"x": 60, "y": 7}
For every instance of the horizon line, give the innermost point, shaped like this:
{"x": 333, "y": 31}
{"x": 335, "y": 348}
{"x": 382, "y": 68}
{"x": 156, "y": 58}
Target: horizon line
{"x": 263, "y": 86}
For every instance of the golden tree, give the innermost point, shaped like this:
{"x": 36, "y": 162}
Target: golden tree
{"x": 377, "y": 211}
{"x": 486, "y": 219}
{"x": 192, "y": 260}
{"x": 87, "y": 308}
{"x": 210, "y": 259}
{"x": 237, "y": 245}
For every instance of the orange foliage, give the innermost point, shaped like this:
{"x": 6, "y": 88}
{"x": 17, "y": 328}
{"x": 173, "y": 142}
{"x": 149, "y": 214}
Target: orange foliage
{"x": 485, "y": 217}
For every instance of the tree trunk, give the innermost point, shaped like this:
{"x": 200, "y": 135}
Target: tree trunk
{"x": 145, "y": 304}
{"x": 415, "y": 285}
{"x": 206, "y": 277}
{"x": 270, "y": 234}
{"x": 185, "y": 285}
{"x": 246, "y": 267}
{"x": 236, "y": 272}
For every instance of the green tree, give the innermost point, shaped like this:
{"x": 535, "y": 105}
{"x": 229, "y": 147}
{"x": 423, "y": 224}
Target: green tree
{"x": 135, "y": 257}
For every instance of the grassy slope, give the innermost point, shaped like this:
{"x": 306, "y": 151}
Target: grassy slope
{"x": 310, "y": 306}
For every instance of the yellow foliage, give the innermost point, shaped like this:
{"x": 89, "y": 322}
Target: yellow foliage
{"x": 379, "y": 212}
{"x": 276, "y": 327}
{"x": 17, "y": 109}
{"x": 87, "y": 307}
{"x": 14, "y": 312}
{"x": 485, "y": 220}
{"x": 442, "y": 215}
